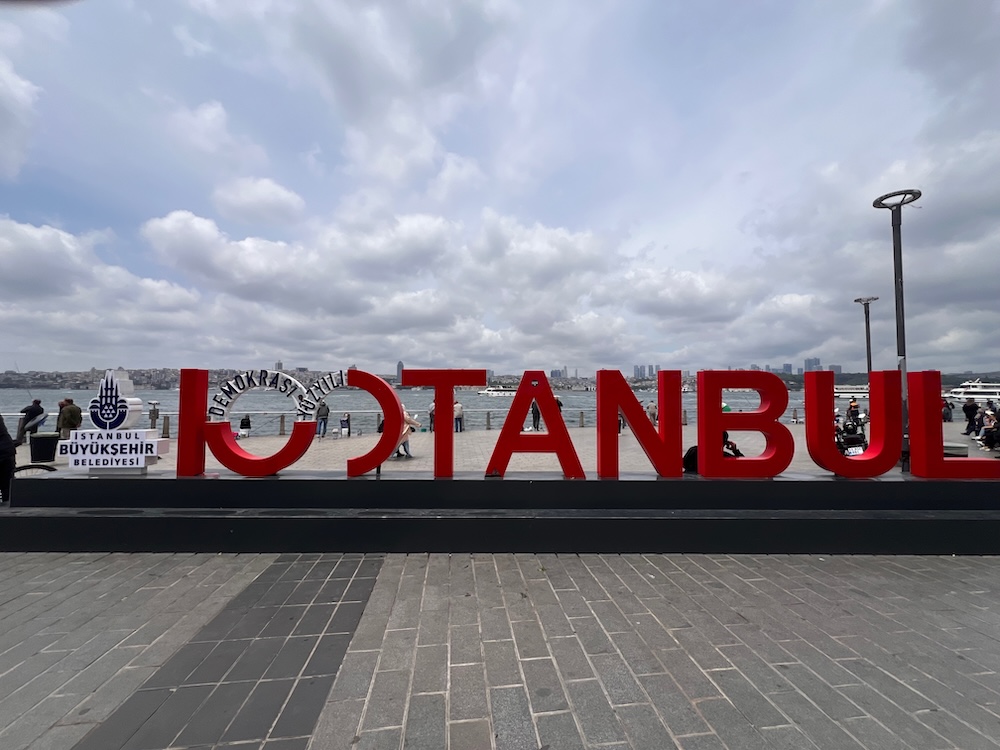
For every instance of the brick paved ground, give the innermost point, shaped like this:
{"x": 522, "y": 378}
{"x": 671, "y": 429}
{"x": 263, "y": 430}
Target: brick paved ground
{"x": 503, "y": 651}
{"x": 513, "y": 651}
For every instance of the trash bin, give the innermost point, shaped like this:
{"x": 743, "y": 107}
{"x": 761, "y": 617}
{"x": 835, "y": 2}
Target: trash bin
{"x": 43, "y": 446}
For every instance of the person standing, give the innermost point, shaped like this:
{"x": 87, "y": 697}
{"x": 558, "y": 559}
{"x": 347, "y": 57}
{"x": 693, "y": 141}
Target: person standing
{"x": 8, "y": 458}
{"x": 459, "y": 417}
{"x": 70, "y": 418}
{"x": 969, "y": 409}
{"x": 536, "y": 416}
{"x": 430, "y": 417}
{"x": 651, "y": 412}
{"x": 34, "y": 415}
{"x": 245, "y": 426}
{"x": 322, "y": 418}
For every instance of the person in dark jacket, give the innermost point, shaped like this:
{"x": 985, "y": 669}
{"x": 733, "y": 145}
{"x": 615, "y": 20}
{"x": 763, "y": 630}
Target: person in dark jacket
{"x": 969, "y": 410}
{"x": 8, "y": 456}
{"x": 31, "y": 422}
{"x": 536, "y": 416}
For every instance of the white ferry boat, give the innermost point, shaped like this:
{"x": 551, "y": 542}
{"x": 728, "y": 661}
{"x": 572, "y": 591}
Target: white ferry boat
{"x": 498, "y": 390}
{"x": 851, "y": 391}
{"x": 976, "y": 389}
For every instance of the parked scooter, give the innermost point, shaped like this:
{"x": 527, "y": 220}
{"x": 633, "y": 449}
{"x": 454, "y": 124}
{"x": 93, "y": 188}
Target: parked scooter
{"x": 850, "y": 433}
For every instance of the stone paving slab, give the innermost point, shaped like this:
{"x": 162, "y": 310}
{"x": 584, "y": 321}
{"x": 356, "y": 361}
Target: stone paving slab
{"x": 698, "y": 652}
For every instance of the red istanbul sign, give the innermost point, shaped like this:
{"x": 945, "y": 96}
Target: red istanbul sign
{"x": 662, "y": 444}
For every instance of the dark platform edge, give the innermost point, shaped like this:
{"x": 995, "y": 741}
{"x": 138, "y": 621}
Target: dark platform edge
{"x": 314, "y": 513}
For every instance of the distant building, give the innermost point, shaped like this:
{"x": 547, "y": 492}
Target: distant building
{"x": 835, "y": 368}
{"x": 399, "y": 371}
{"x": 812, "y": 363}
{"x": 279, "y": 365}
{"x": 754, "y": 367}
{"x": 787, "y": 368}
{"x": 800, "y": 371}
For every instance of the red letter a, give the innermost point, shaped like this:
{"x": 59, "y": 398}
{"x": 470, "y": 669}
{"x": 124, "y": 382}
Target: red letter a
{"x": 555, "y": 439}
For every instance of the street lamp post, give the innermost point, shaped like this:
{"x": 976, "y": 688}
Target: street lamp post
{"x": 894, "y": 202}
{"x": 866, "y": 301}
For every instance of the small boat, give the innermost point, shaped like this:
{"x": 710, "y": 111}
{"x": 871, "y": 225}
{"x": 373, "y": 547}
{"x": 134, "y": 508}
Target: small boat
{"x": 498, "y": 390}
{"x": 976, "y": 389}
{"x": 686, "y": 388}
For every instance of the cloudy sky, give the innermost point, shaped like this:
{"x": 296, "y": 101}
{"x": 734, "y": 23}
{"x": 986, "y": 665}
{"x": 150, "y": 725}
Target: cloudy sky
{"x": 496, "y": 183}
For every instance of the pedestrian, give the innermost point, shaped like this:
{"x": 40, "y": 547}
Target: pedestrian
{"x": 459, "y": 417}
{"x": 409, "y": 425}
{"x": 70, "y": 418}
{"x": 651, "y": 412}
{"x": 430, "y": 417}
{"x": 345, "y": 424}
{"x": 536, "y": 416}
{"x": 8, "y": 458}
{"x": 34, "y": 417}
{"x": 322, "y": 418}
{"x": 245, "y": 426}
{"x": 969, "y": 409}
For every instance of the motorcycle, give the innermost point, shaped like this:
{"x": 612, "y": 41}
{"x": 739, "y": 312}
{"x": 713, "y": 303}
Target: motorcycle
{"x": 850, "y": 435}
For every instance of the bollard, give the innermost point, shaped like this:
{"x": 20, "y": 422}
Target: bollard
{"x": 684, "y": 416}
{"x": 581, "y": 419}
{"x": 166, "y": 425}
{"x": 281, "y": 425}
{"x": 488, "y": 425}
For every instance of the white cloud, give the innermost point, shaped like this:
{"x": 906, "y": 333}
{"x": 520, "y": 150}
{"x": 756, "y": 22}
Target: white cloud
{"x": 256, "y": 200}
{"x": 206, "y": 128}
{"x": 458, "y": 174}
{"x": 17, "y": 118}
{"x": 504, "y": 184}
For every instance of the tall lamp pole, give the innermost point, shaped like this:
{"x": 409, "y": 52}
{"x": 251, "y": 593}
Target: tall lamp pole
{"x": 868, "y": 331}
{"x": 894, "y": 202}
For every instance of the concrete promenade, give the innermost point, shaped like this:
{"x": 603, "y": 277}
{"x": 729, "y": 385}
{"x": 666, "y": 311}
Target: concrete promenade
{"x": 473, "y": 449}
{"x": 498, "y": 651}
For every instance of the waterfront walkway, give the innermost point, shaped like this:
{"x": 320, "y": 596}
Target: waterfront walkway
{"x": 473, "y": 449}
{"x": 498, "y": 651}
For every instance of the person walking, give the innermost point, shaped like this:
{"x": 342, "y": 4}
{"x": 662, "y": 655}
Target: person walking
{"x": 651, "y": 412}
{"x": 409, "y": 425}
{"x": 34, "y": 416}
{"x": 322, "y": 418}
{"x": 8, "y": 458}
{"x": 536, "y": 416}
{"x": 430, "y": 417}
{"x": 70, "y": 418}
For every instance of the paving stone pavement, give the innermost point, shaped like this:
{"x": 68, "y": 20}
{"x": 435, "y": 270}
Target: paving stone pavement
{"x": 500, "y": 651}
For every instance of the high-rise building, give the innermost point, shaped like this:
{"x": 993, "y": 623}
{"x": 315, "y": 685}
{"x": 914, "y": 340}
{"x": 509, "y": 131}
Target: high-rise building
{"x": 812, "y": 363}
{"x": 279, "y": 365}
{"x": 787, "y": 368}
{"x": 835, "y": 368}
{"x": 399, "y": 371}
{"x": 635, "y": 371}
